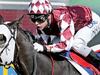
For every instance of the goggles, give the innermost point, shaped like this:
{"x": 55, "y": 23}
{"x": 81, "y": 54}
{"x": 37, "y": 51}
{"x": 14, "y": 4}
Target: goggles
{"x": 38, "y": 18}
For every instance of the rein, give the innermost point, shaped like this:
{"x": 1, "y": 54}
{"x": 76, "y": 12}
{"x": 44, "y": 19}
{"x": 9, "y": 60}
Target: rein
{"x": 52, "y": 61}
{"x": 6, "y": 45}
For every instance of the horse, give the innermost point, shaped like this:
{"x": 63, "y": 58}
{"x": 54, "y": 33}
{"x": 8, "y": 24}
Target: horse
{"x": 25, "y": 59}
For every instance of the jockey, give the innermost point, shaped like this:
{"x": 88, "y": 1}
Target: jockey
{"x": 64, "y": 28}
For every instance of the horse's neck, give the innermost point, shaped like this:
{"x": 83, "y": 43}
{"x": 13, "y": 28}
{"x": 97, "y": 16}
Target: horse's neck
{"x": 23, "y": 39}
{"x": 25, "y": 51}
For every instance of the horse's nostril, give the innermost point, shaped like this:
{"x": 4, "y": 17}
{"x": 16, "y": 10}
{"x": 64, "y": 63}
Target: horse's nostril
{"x": 2, "y": 39}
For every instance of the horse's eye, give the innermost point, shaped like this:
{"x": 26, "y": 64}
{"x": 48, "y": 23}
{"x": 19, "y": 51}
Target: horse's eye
{"x": 2, "y": 39}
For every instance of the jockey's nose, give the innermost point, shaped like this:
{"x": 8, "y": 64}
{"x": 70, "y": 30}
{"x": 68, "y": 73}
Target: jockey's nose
{"x": 36, "y": 23}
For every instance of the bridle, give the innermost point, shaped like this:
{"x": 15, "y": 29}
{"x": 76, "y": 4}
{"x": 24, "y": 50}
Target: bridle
{"x": 13, "y": 36}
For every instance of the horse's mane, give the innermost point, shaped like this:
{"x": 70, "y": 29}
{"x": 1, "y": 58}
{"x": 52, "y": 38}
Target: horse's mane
{"x": 27, "y": 34}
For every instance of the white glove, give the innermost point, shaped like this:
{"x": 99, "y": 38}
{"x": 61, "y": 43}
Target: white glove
{"x": 38, "y": 47}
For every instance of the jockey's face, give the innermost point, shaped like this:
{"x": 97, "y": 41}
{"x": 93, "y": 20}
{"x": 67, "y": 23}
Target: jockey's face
{"x": 40, "y": 21}
{"x": 41, "y": 26}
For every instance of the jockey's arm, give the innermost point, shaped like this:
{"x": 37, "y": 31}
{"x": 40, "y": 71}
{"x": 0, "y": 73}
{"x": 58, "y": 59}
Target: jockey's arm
{"x": 84, "y": 35}
{"x": 66, "y": 37}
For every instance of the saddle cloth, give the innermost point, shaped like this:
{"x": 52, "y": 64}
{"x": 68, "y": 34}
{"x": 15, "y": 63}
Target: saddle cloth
{"x": 79, "y": 62}
{"x": 7, "y": 70}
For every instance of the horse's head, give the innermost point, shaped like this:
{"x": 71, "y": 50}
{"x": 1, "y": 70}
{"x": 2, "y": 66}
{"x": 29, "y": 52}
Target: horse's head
{"x": 7, "y": 31}
{"x": 15, "y": 46}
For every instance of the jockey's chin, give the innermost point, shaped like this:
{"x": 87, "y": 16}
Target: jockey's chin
{"x": 40, "y": 28}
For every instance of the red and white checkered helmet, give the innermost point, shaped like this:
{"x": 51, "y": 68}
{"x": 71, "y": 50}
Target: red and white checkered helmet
{"x": 40, "y": 7}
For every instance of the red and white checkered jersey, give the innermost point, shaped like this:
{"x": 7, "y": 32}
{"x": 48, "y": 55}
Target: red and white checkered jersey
{"x": 65, "y": 22}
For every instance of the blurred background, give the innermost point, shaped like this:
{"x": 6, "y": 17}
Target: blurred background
{"x": 7, "y": 4}
{"x": 13, "y": 9}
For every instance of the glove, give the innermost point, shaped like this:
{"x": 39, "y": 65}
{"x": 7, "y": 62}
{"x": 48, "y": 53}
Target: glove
{"x": 38, "y": 47}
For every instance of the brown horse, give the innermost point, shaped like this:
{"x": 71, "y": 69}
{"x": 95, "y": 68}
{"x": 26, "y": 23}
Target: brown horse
{"x": 25, "y": 59}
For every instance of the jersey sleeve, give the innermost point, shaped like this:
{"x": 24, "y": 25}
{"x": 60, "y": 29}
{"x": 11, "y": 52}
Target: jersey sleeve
{"x": 66, "y": 34}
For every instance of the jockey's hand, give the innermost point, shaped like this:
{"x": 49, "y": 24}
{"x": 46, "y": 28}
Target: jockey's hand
{"x": 48, "y": 48}
{"x": 38, "y": 47}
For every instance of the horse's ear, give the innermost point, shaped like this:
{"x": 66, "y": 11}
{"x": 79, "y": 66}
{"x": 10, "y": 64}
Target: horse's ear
{"x": 16, "y": 23}
{"x": 1, "y": 19}
{"x": 19, "y": 20}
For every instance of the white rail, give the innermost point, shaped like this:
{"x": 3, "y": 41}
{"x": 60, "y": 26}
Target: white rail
{"x": 22, "y": 5}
